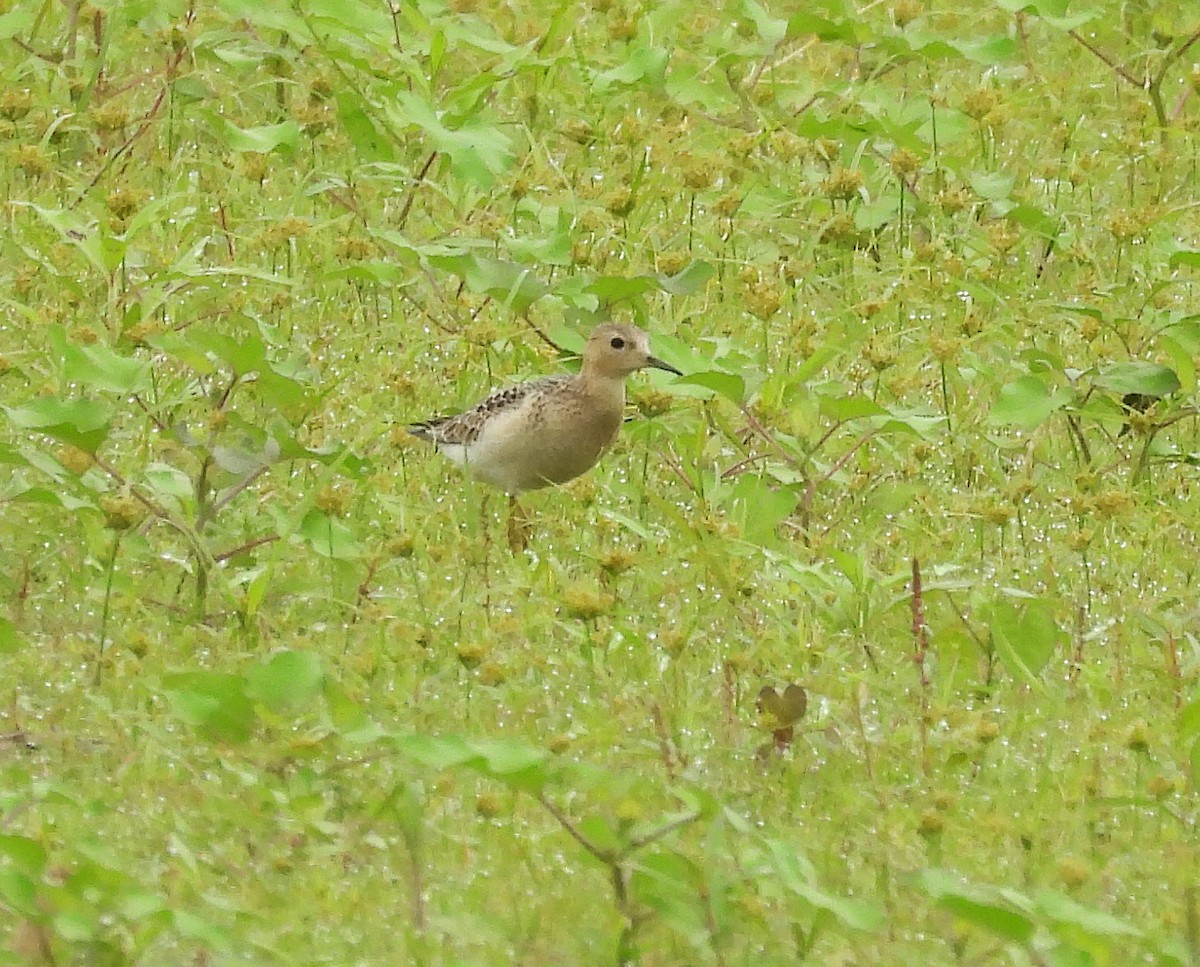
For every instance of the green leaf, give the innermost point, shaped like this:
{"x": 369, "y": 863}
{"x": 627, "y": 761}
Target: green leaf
{"x": 214, "y": 704}
{"x": 26, "y": 854}
{"x": 992, "y": 49}
{"x": 630, "y": 524}
{"x": 688, "y": 280}
{"x": 1036, "y": 220}
{"x": 245, "y": 356}
{"x": 994, "y": 917}
{"x": 858, "y": 914}
{"x": 1187, "y": 257}
{"x": 620, "y": 288}
{"x": 346, "y": 715}
{"x": 384, "y": 273}
{"x": 982, "y": 906}
{"x": 139, "y": 906}
{"x": 798, "y": 875}
{"x": 1149, "y": 379}
{"x": 192, "y": 927}
{"x": 671, "y": 884}
{"x": 1189, "y": 719}
{"x": 877, "y": 213}
{"x": 435, "y": 751}
{"x": 329, "y": 537}
{"x": 1183, "y": 360}
{"x": 179, "y": 347}
{"x": 1088, "y": 311}
{"x": 76, "y": 926}
{"x": 695, "y": 85}
{"x": 1039, "y": 361}
{"x": 845, "y": 408}
{"x": 478, "y": 152}
{"x": 821, "y": 357}
{"x": 19, "y": 892}
{"x": 103, "y": 250}
{"x": 18, "y": 21}
{"x": 508, "y": 758}
{"x": 82, "y": 423}
{"x": 1092, "y": 921}
{"x": 600, "y": 833}
{"x": 341, "y": 458}
{"x": 992, "y": 186}
{"x": 237, "y": 460}
{"x": 1027, "y": 402}
{"x": 1186, "y": 332}
{"x": 552, "y": 248}
{"x": 512, "y": 284}
{"x": 279, "y": 390}
{"x": 511, "y": 761}
{"x": 263, "y": 139}
{"x": 771, "y": 29}
{"x": 98, "y": 367}
{"x": 361, "y": 130}
{"x": 932, "y": 47}
{"x": 1056, "y": 12}
{"x": 845, "y": 30}
{"x": 190, "y": 87}
{"x": 168, "y": 481}
{"x": 764, "y": 506}
{"x": 1025, "y": 637}
{"x": 729, "y": 385}
{"x": 10, "y": 640}
{"x": 290, "y": 681}
{"x": 645, "y": 64}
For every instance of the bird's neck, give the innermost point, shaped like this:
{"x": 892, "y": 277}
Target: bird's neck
{"x": 605, "y": 393}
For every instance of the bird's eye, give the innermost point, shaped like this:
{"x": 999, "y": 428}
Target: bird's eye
{"x": 617, "y": 342}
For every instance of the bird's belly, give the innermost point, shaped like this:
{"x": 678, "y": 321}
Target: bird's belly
{"x": 540, "y": 453}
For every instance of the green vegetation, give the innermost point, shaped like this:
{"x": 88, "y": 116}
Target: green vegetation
{"x": 275, "y": 690}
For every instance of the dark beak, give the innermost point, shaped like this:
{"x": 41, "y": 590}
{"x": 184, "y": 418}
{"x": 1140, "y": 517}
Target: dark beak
{"x": 657, "y": 363}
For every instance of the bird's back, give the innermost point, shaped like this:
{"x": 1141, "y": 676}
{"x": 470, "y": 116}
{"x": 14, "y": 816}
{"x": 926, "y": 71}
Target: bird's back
{"x": 463, "y": 429}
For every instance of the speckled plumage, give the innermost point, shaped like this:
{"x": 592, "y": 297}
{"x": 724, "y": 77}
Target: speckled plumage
{"x": 548, "y": 430}
{"x": 464, "y": 427}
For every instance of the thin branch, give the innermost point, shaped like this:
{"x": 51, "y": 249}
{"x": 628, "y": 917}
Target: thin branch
{"x": 243, "y": 548}
{"x": 150, "y": 504}
{"x": 155, "y": 508}
{"x": 602, "y": 855}
{"x": 811, "y": 490}
{"x": 1174, "y": 55}
{"x": 417, "y": 182}
{"x": 1185, "y": 413}
{"x": 656, "y": 834}
{"x": 920, "y": 634}
{"x": 238, "y": 487}
{"x": 676, "y": 468}
{"x": 1120, "y": 71}
{"x": 142, "y": 128}
{"x": 742, "y": 465}
{"x": 966, "y": 624}
{"x": 542, "y": 336}
{"x": 30, "y": 49}
{"x": 753, "y": 422}
{"x": 159, "y": 424}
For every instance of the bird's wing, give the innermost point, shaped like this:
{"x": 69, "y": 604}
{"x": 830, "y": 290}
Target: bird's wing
{"x": 465, "y": 427}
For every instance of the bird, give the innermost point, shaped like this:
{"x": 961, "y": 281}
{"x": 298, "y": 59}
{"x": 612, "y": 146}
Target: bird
{"x": 549, "y": 430}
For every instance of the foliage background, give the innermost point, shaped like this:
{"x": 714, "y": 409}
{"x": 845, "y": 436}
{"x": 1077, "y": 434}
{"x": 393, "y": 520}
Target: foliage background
{"x": 274, "y": 689}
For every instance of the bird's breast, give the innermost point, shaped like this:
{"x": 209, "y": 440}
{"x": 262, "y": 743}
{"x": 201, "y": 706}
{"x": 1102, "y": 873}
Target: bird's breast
{"x": 550, "y": 441}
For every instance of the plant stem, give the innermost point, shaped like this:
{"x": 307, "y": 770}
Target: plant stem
{"x": 108, "y": 583}
{"x": 921, "y": 641}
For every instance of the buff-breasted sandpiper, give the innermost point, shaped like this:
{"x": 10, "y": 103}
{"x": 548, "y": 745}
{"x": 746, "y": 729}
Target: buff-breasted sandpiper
{"x": 549, "y": 430}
